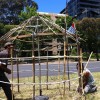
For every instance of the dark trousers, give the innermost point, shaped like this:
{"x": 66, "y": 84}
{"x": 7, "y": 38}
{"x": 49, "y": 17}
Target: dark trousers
{"x": 6, "y": 87}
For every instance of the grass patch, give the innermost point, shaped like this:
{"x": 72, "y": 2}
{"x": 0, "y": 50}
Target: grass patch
{"x": 53, "y": 91}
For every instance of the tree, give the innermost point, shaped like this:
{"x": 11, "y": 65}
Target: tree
{"x": 87, "y": 28}
{"x": 98, "y": 33}
{"x": 28, "y": 13}
{"x": 61, "y": 21}
{"x": 10, "y": 9}
{"x": 1, "y": 29}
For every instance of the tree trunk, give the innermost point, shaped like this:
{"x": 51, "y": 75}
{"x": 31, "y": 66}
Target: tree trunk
{"x": 97, "y": 56}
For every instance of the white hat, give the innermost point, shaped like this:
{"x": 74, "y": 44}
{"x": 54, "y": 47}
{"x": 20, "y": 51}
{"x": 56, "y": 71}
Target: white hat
{"x": 8, "y": 43}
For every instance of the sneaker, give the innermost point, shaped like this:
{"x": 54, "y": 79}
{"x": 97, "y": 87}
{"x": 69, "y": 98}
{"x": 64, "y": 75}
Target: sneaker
{"x": 94, "y": 89}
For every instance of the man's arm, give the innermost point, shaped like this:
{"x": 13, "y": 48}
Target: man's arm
{"x": 5, "y": 69}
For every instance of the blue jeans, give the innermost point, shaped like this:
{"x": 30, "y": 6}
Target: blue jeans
{"x": 90, "y": 88}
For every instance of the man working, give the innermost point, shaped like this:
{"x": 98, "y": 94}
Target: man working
{"x": 6, "y": 53}
{"x": 88, "y": 81}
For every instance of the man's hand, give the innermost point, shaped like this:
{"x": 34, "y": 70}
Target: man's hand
{"x": 8, "y": 71}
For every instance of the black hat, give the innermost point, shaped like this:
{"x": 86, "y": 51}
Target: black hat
{"x": 8, "y": 43}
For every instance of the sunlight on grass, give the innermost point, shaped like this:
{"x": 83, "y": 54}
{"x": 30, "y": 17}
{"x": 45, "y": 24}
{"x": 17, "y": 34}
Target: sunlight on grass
{"x": 53, "y": 91}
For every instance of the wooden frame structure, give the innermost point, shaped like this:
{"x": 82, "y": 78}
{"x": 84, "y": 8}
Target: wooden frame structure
{"x": 32, "y": 26}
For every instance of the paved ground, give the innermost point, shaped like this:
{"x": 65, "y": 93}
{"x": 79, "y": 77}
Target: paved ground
{"x": 25, "y": 70}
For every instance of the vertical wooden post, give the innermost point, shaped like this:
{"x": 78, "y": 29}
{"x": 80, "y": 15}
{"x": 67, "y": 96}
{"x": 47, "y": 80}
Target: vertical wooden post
{"x": 12, "y": 68}
{"x": 33, "y": 70}
{"x": 17, "y": 72}
{"x": 33, "y": 65}
{"x": 40, "y": 87}
{"x": 64, "y": 62}
{"x": 65, "y": 49}
{"x": 80, "y": 69}
{"x": 59, "y": 65}
{"x": 47, "y": 67}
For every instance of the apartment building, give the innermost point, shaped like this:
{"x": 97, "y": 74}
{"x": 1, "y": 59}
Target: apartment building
{"x": 83, "y": 8}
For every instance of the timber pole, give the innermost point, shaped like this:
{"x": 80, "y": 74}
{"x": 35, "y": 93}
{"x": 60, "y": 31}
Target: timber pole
{"x": 12, "y": 69}
{"x": 80, "y": 69}
{"x": 33, "y": 64}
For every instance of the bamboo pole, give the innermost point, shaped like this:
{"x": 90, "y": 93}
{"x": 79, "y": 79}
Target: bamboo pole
{"x": 33, "y": 72}
{"x": 12, "y": 69}
{"x": 33, "y": 65}
{"x": 65, "y": 51}
{"x": 59, "y": 65}
{"x": 64, "y": 58}
{"x": 88, "y": 60}
{"x": 17, "y": 73}
{"x": 64, "y": 75}
{"x": 80, "y": 70}
{"x": 47, "y": 67}
{"x": 40, "y": 87}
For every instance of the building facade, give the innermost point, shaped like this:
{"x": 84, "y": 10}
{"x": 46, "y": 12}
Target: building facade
{"x": 83, "y": 8}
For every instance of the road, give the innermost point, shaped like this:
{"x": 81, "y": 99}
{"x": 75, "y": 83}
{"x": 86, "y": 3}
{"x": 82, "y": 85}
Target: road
{"x": 25, "y": 70}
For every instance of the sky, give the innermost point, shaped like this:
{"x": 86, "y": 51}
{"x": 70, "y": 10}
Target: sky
{"x": 51, "y": 6}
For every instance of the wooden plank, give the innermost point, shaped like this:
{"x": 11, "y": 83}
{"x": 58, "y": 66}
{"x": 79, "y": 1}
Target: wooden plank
{"x": 29, "y": 35}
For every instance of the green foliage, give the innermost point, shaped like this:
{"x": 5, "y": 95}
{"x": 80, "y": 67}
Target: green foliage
{"x": 85, "y": 55}
{"x": 89, "y": 31}
{"x": 70, "y": 20}
{"x": 98, "y": 23}
{"x": 28, "y": 13}
{"x": 1, "y": 25}
{"x": 2, "y": 31}
{"x": 10, "y": 9}
{"x": 61, "y": 21}
{"x": 5, "y": 28}
{"x": 74, "y": 51}
{"x": 8, "y": 27}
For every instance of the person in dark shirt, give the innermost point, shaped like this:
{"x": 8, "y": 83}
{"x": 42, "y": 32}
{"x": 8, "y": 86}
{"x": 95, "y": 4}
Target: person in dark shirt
{"x": 3, "y": 69}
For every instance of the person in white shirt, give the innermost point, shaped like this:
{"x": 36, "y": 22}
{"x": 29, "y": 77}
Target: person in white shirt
{"x": 88, "y": 80}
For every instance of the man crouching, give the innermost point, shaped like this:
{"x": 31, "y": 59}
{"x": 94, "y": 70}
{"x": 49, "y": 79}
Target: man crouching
{"x": 88, "y": 80}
